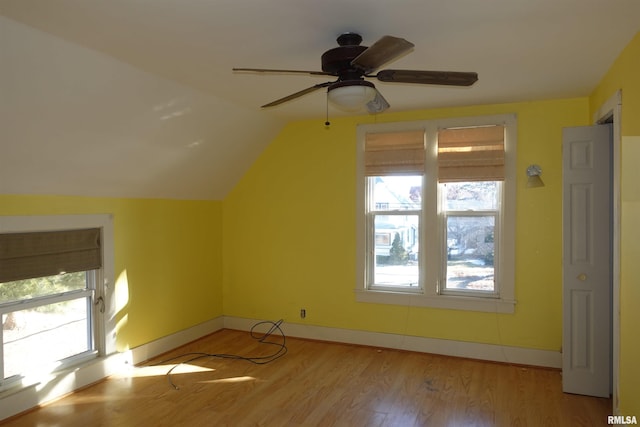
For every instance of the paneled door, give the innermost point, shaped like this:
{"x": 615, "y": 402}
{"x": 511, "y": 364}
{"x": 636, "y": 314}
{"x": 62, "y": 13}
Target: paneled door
{"x": 587, "y": 260}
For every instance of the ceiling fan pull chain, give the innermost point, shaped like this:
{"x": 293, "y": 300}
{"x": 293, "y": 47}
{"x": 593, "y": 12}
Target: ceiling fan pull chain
{"x": 327, "y": 123}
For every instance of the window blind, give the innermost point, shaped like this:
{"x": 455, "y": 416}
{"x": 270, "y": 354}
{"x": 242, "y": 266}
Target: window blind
{"x": 394, "y": 153}
{"x": 47, "y": 253}
{"x": 471, "y": 154}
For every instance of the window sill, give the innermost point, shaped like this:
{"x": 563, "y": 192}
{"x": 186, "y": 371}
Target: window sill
{"x": 16, "y": 386}
{"x": 490, "y": 305}
{"x": 86, "y": 361}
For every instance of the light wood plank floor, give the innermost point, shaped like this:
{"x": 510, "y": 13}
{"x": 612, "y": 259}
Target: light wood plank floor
{"x": 322, "y": 384}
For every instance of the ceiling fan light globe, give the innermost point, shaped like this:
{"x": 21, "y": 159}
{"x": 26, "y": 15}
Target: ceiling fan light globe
{"x": 351, "y": 98}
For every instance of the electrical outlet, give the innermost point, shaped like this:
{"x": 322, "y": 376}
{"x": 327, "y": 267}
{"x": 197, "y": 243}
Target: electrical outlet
{"x": 303, "y": 313}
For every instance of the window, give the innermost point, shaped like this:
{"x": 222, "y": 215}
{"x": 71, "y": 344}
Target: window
{"x": 438, "y": 213}
{"x": 45, "y": 331}
{"x": 395, "y": 227}
{"x": 471, "y": 213}
{"x": 52, "y": 299}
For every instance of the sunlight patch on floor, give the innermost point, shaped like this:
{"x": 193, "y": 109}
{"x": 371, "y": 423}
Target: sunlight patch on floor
{"x": 159, "y": 370}
{"x": 229, "y": 380}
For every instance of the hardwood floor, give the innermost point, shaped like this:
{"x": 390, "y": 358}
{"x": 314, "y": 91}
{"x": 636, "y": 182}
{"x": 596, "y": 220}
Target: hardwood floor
{"x": 321, "y": 384}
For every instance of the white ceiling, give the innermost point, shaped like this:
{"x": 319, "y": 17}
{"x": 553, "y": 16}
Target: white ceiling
{"x": 137, "y": 98}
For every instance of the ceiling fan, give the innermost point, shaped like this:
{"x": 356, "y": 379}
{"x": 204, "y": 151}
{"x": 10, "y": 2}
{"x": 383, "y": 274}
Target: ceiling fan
{"x": 352, "y": 63}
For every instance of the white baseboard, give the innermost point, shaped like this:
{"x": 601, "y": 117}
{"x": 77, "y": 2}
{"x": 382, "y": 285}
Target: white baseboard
{"x": 492, "y": 352}
{"x": 13, "y": 402}
{"x": 180, "y": 338}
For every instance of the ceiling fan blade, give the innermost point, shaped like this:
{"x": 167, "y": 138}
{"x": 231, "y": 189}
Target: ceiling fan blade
{"x": 378, "y": 104}
{"x": 268, "y": 70}
{"x": 297, "y": 94}
{"x": 450, "y": 78}
{"x": 381, "y": 52}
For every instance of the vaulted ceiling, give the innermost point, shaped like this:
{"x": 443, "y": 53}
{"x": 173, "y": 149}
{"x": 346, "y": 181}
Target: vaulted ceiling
{"x": 126, "y": 98}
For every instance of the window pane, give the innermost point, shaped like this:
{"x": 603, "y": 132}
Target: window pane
{"x": 39, "y": 337}
{"x": 474, "y": 195}
{"x": 397, "y": 192}
{"x": 470, "y": 252}
{"x": 51, "y": 285}
{"x": 396, "y": 250}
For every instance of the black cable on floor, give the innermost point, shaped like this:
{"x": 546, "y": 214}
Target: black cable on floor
{"x": 281, "y": 350}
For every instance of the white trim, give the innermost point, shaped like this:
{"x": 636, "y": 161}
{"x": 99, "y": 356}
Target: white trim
{"x": 612, "y": 107}
{"x": 147, "y": 351}
{"x": 451, "y": 302}
{"x": 608, "y": 108}
{"x": 471, "y": 350}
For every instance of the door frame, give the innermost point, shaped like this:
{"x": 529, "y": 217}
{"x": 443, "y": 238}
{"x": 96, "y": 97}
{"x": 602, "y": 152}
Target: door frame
{"x": 611, "y": 109}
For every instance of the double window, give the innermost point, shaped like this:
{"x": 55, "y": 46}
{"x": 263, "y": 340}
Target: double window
{"x": 437, "y": 209}
{"x": 51, "y": 301}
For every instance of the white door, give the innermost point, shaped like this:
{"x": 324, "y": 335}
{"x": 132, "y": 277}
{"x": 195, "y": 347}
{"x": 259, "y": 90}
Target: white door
{"x": 587, "y": 258}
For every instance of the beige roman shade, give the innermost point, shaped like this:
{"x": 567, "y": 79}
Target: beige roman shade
{"x": 40, "y": 254}
{"x": 394, "y": 153}
{"x": 471, "y": 154}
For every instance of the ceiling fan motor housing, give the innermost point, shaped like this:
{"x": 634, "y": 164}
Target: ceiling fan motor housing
{"x": 337, "y": 61}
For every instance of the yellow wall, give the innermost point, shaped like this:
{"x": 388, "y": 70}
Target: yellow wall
{"x": 169, "y": 252}
{"x": 284, "y": 238}
{"x": 289, "y": 233}
{"x": 624, "y": 74}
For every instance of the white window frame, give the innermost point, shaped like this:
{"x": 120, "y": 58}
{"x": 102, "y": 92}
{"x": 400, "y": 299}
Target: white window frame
{"x": 429, "y": 294}
{"x": 102, "y": 315}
